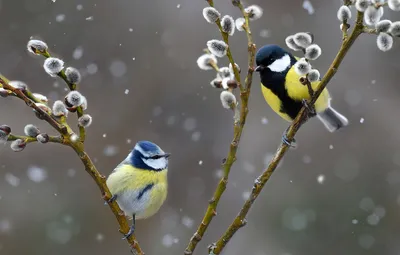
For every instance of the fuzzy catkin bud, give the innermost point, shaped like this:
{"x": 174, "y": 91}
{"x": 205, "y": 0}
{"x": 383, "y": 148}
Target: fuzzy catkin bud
{"x": 372, "y": 15}
{"x": 44, "y": 107}
{"x": 228, "y": 25}
{"x": 313, "y": 75}
{"x": 239, "y": 22}
{"x": 205, "y": 61}
{"x": 344, "y": 13}
{"x": 217, "y": 47}
{"x": 19, "y": 85}
{"x": 394, "y": 5}
{"x": 395, "y": 28}
{"x": 254, "y": 11}
{"x": 291, "y": 44}
{"x": 303, "y": 39}
{"x": 227, "y": 99}
{"x": 73, "y": 98}
{"x": 216, "y": 83}
{"x": 383, "y": 25}
{"x": 84, "y": 103}
{"x": 4, "y": 129}
{"x": 59, "y": 109}
{"x": 31, "y": 130}
{"x": 224, "y": 72}
{"x": 313, "y": 52}
{"x": 53, "y": 66}
{"x": 73, "y": 75}
{"x": 231, "y": 68}
{"x": 37, "y": 47}
{"x": 362, "y": 5}
{"x": 384, "y": 42}
{"x": 40, "y": 97}
{"x": 18, "y": 145}
{"x": 211, "y": 14}
{"x": 43, "y": 138}
{"x": 4, "y": 92}
{"x": 85, "y": 120}
{"x": 302, "y": 67}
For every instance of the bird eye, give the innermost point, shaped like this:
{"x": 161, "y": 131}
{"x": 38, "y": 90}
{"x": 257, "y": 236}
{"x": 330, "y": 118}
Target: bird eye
{"x": 155, "y": 157}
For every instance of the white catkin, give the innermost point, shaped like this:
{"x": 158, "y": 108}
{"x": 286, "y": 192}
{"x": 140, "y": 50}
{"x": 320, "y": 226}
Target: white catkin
{"x": 395, "y": 28}
{"x": 394, "y": 5}
{"x": 313, "y": 52}
{"x": 74, "y": 98}
{"x": 18, "y": 145}
{"x": 59, "y": 109}
{"x": 85, "y": 120}
{"x": 291, "y": 43}
{"x": 384, "y": 42}
{"x": 302, "y": 67}
{"x": 217, "y": 47}
{"x": 239, "y": 22}
{"x": 255, "y": 12}
{"x": 344, "y": 13}
{"x": 372, "y": 15}
{"x": 211, "y": 14}
{"x": 205, "y": 60}
{"x": 313, "y": 75}
{"x": 37, "y": 47}
{"x": 383, "y": 25}
{"x": 53, "y": 66}
{"x": 228, "y": 25}
{"x": 362, "y": 5}
{"x": 31, "y": 130}
{"x": 227, "y": 99}
{"x": 73, "y": 75}
{"x": 303, "y": 39}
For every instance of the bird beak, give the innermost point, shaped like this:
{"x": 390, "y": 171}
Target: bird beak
{"x": 166, "y": 155}
{"x": 258, "y": 69}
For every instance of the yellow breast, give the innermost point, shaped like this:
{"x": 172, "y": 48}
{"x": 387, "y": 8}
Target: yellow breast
{"x": 274, "y": 102}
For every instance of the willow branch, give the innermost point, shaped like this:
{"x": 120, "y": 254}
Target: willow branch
{"x": 260, "y": 182}
{"x": 225, "y": 37}
{"x": 71, "y": 86}
{"x": 62, "y": 129}
{"x": 237, "y": 130}
{"x": 78, "y": 146}
{"x": 28, "y": 139}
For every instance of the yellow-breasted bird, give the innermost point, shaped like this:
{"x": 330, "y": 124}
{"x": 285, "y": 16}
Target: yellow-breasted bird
{"x": 139, "y": 183}
{"x": 284, "y": 92}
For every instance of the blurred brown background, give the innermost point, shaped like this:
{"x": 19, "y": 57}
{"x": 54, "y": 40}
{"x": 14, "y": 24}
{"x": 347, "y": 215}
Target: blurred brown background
{"x": 336, "y": 194}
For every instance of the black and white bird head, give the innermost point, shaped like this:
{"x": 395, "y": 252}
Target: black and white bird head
{"x": 273, "y": 59}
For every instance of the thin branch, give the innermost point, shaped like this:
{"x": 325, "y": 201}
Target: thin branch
{"x": 238, "y": 129}
{"x": 260, "y": 182}
{"x": 60, "y": 128}
{"x": 28, "y": 139}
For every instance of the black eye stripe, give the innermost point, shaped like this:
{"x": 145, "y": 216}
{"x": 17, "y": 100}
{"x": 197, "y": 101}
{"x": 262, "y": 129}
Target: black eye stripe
{"x": 154, "y": 157}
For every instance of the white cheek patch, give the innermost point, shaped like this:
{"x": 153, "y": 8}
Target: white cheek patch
{"x": 160, "y": 163}
{"x": 281, "y": 64}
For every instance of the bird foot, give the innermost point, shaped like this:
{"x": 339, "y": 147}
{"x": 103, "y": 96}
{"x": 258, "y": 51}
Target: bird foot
{"x": 112, "y": 199}
{"x": 131, "y": 231}
{"x": 310, "y": 108}
{"x": 285, "y": 140}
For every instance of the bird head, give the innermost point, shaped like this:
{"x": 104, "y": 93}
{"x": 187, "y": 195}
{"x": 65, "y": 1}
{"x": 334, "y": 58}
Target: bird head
{"x": 148, "y": 156}
{"x": 272, "y": 58}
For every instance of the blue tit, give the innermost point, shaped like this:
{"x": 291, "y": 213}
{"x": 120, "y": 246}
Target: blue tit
{"x": 284, "y": 92}
{"x": 139, "y": 183}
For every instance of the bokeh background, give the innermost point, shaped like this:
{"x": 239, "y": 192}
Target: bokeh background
{"x": 335, "y": 194}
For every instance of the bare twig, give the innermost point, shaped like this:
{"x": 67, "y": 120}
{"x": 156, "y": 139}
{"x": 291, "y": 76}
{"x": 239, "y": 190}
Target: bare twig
{"x": 238, "y": 129}
{"x": 260, "y": 182}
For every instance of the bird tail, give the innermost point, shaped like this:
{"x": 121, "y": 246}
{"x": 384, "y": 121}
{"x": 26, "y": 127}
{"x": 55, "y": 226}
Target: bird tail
{"x": 332, "y": 119}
